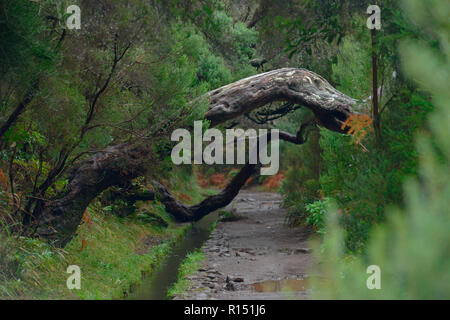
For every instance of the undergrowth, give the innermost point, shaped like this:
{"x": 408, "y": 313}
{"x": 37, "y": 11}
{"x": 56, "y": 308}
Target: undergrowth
{"x": 112, "y": 252}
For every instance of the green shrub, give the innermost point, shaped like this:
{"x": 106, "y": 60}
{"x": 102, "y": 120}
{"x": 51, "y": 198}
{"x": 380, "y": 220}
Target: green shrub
{"x": 364, "y": 178}
{"x": 316, "y": 213}
{"x": 412, "y": 247}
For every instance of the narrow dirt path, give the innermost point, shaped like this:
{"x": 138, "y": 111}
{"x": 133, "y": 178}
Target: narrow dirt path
{"x": 255, "y": 256}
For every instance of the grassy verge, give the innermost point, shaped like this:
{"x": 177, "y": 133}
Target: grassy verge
{"x": 112, "y": 252}
{"x": 189, "y": 266}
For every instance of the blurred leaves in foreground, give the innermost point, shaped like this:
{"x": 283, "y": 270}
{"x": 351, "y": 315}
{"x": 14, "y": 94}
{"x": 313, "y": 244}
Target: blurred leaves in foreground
{"x": 412, "y": 248}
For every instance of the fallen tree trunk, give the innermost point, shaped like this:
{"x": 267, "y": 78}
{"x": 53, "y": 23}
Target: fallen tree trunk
{"x": 57, "y": 219}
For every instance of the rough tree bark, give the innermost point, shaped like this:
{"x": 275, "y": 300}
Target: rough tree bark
{"x": 57, "y": 219}
{"x": 181, "y": 212}
{"x": 299, "y": 86}
{"x": 194, "y": 213}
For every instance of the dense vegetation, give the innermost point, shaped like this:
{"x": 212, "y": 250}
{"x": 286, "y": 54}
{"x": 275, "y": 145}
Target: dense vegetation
{"x": 362, "y": 173}
{"x": 128, "y": 76}
{"x": 412, "y": 248}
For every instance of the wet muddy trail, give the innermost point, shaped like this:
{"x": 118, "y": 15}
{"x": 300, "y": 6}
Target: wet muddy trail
{"x": 252, "y": 254}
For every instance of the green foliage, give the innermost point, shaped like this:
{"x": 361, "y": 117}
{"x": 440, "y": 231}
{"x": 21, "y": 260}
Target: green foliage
{"x": 9, "y": 266}
{"x": 83, "y": 98}
{"x": 364, "y": 183}
{"x": 112, "y": 251}
{"x": 365, "y": 178}
{"x": 244, "y": 39}
{"x": 352, "y": 71}
{"x": 411, "y": 248}
{"x": 211, "y": 69}
{"x": 111, "y": 261}
{"x": 362, "y": 177}
{"x": 234, "y": 40}
{"x": 317, "y": 213}
{"x": 24, "y": 53}
{"x": 301, "y": 184}
{"x": 189, "y": 266}
{"x": 88, "y": 98}
{"x": 299, "y": 192}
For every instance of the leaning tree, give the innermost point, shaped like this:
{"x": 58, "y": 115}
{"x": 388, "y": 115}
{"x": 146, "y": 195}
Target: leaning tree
{"x": 57, "y": 219}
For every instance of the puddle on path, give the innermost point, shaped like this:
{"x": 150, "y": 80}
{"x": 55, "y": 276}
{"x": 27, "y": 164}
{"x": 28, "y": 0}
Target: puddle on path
{"x": 284, "y": 285}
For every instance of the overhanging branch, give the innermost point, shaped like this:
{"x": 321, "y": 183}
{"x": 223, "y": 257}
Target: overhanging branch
{"x": 57, "y": 219}
{"x": 184, "y": 213}
{"x": 298, "y": 86}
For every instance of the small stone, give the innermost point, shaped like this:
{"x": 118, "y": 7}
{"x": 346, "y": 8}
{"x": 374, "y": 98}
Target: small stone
{"x": 229, "y": 287}
{"x": 202, "y": 296}
{"x": 302, "y": 250}
{"x": 213, "y": 271}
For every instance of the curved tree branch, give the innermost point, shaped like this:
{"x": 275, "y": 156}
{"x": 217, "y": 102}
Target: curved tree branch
{"x": 57, "y": 219}
{"x": 181, "y": 212}
{"x": 299, "y": 86}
